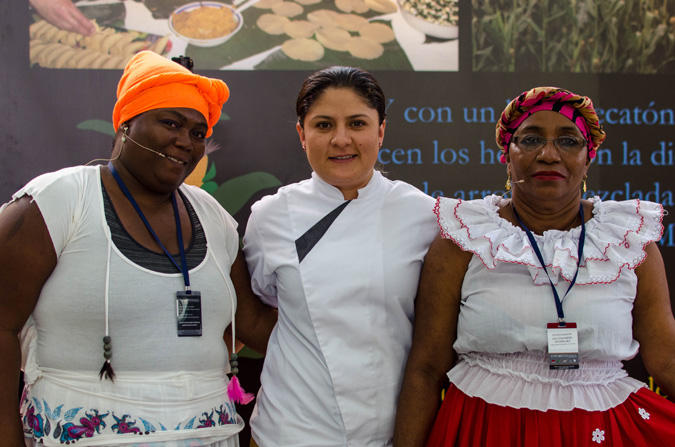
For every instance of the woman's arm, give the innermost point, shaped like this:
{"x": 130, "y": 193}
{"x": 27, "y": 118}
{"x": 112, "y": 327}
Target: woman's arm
{"x": 431, "y": 355}
{"x": 653, "y": 323}
{"x": 254, "y": 320}
{"x": 27, "y": 258}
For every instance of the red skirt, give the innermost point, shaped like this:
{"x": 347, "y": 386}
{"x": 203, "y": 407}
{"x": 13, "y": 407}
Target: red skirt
{"x": 644, "y": 419}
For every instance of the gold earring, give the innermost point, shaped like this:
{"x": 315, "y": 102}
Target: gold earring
{"x": 508, "y": 181}
{"x": 583, "y": 182}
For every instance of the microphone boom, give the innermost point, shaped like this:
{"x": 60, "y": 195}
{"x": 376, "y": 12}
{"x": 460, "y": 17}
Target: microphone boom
{"x": 140, "y": 145}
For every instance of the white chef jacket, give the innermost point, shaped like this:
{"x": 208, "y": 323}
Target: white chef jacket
{"x": 335, "y": 360}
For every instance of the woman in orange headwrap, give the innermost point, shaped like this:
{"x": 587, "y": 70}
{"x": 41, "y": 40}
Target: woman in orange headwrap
{"x": 125, "y": 266}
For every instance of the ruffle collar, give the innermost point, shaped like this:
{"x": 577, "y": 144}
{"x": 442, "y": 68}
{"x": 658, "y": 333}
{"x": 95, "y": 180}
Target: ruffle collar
{"x": 615, "y": 238}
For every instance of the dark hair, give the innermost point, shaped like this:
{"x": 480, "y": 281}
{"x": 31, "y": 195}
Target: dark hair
{"x": 362, "y": 82}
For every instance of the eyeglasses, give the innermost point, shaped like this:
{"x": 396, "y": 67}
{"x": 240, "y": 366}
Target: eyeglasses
{"x": 565, "y": 143}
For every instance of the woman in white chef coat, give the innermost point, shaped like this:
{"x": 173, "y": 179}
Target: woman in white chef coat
{"x": 340, "y": 255}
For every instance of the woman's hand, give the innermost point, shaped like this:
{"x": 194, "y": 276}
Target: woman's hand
{"x": 63, "y": 14}
{"x": 27, "y": 258}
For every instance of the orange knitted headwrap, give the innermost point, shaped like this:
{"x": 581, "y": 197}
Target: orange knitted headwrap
{"x": 151, "y": 81}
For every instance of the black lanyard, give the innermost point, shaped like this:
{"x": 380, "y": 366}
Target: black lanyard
{"x": 535, "y": 247}
{"x": 179, "y": 231}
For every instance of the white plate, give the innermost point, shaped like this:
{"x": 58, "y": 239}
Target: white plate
{"x": 206, "y": 42}
{"x": 428, "y": 28}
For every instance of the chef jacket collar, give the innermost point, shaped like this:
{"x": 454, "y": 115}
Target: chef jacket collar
{"x": 334, "y": 193}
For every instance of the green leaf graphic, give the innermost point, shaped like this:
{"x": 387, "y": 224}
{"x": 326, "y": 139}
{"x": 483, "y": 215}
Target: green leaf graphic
{"x": 210, "y": 173}
{"x": 234, "y": 193}
{"x": 210, "y": 187}
{"x": 101, "y": 126}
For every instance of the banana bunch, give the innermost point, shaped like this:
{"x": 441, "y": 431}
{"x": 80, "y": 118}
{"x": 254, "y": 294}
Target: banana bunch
{"x": 52, "y": 47}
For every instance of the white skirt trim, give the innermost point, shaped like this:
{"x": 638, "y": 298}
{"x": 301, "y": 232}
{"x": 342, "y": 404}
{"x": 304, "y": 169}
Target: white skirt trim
{"x": 524, "y": 380}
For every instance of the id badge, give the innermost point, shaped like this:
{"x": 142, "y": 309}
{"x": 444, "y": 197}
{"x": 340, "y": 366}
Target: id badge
{"x": 189, "y": 313}
{"x": 563, "y": 346}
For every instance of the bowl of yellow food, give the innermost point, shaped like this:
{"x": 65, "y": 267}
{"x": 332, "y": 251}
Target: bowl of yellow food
{"x": 205, "y": 24}
{"x": 437, "y": 18}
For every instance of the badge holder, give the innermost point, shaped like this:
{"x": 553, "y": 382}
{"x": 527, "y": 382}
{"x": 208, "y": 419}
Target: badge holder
{"x": 563, "y": 346}
{"x": 189, "y": 313}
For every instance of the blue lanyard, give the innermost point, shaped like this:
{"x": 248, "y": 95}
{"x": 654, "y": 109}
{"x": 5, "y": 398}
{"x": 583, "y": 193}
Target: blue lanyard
{"x": 535, "y": 247}
{"x": 179, "y": 231}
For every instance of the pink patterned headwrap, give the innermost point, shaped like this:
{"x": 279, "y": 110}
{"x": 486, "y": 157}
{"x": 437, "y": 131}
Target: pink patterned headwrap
{"x": 579, "y": 110}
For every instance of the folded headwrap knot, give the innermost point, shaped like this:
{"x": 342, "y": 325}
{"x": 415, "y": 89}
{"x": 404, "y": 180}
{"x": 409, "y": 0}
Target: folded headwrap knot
{"x": 151, "y": 81}
{"x": 579, "y": 109}
{"x": 205, "y": 86}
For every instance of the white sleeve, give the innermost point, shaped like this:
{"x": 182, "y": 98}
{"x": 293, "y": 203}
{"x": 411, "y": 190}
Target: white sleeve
{"x": 59, "y": 196}
{"x": 232, "y": 237}
{"x": 263, "y": 281}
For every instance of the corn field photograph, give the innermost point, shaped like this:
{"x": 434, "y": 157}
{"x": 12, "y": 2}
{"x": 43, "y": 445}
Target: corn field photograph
{"x": 578, "y": 36}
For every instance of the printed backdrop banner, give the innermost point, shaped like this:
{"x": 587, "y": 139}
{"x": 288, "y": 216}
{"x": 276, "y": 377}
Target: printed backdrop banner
{"x": 448, "y": 68}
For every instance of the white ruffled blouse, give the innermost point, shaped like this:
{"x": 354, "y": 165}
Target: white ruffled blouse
{"x": 507, "y": 302}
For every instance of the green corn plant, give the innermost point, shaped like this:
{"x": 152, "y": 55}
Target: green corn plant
{"x": 578, "y": 36}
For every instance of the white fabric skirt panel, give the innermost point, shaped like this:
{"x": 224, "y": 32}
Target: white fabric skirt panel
{"x": 169, "y": 409}
{"x": 524, "y": 380}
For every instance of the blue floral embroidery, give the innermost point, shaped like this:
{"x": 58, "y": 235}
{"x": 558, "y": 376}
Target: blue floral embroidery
{"x": 70, "y": 414}
{"x": 52, "y": 414}
{"x": 207, "y": 421}
{"x": 34, "y": 422}
{"x": 90, "y": 424}
{"x": 226, "y": 416}
{"x": 124, "y": 426}
{"x": 148, "y": 426}
{"x": 190, "y": 424}
{"x": 37, "y": 416}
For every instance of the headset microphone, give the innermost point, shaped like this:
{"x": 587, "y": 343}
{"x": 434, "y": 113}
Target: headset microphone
{"x": 517, "y": 181}
{"x": 125, "y": 136}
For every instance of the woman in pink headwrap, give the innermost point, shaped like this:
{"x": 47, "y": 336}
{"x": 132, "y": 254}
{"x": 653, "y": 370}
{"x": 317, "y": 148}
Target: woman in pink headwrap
{"x": 125, "y": 266}
{"x": 530, "y": 304}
